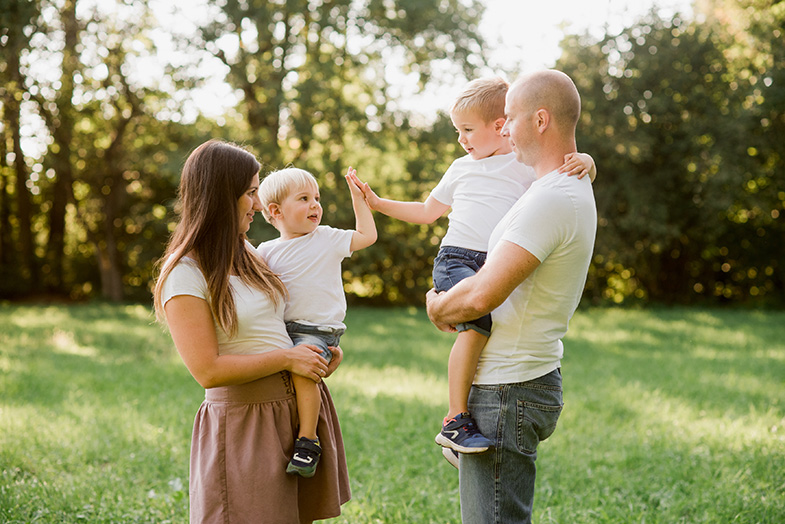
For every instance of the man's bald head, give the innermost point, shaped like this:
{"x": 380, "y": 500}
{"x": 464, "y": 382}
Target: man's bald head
{"x": 551, "y": 90}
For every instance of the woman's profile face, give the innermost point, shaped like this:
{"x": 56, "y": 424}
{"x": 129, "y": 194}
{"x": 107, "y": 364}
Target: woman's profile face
{"x": 248, "y": 204}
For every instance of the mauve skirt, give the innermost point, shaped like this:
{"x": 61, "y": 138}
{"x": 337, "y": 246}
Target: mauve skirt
{"x": 242, "y": 441}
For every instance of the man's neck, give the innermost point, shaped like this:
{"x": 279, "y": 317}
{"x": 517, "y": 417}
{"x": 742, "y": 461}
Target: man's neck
{"x": 553, "y": 158}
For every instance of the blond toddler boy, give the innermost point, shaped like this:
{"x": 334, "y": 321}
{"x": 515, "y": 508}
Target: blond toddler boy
{"x": 307, "y": 257}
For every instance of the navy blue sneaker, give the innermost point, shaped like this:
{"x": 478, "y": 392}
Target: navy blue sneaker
{"x": 451, "y": 456}
{"x": 461, "y": 434}
{"x": 306, "y": 457}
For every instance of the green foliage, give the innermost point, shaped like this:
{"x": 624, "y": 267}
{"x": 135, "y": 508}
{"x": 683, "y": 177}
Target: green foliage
{"x": 671, "y": 415}
{"x": 687, "y": 211}
{"x": 683, "y": 117}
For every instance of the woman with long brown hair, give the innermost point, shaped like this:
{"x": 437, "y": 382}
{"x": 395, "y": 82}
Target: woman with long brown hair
{"x": 224, "y": 309}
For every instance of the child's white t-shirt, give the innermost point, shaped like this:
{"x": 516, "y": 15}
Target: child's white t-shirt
{"x": 310, "y": 268}
{"x": 480, "y": 192}
{"x": 556, "y": 221}
{"x": 260, "y": 325}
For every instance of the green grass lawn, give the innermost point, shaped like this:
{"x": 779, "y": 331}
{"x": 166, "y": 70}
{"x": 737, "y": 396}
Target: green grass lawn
{"x": 671, "y": 416}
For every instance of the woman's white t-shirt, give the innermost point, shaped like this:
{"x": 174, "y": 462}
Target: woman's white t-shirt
{"x": 260, "y": 325}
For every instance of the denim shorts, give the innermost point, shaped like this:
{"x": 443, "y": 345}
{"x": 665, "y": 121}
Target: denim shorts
{"x": 453, "y": 264}
{"x": 322, "y": 337}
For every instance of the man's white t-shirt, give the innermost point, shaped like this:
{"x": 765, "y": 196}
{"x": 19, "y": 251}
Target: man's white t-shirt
{"x": 260, "y": 325}
{"x": 480, "y": 192}
{"x": 310, "y": 268}
{"x": 556, "y": 221}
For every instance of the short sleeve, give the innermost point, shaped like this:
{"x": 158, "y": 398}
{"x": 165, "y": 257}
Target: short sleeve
{"x": 542, "y": 224}
{"x": 445, "y": 189}
{"x": 185, "y": 279}
{"x": 339, "y": 240}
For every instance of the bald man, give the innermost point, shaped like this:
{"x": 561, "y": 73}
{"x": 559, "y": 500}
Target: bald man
{"x": 532, "y": 281}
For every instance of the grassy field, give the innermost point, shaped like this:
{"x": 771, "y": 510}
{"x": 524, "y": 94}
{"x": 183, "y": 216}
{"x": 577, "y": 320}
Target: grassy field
{"x": 671, "y": 416}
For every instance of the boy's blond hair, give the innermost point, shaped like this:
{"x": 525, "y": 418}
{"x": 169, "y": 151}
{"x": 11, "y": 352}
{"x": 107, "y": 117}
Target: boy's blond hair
{"x": 484, "y": 97}
{"x": 279, "y": 184}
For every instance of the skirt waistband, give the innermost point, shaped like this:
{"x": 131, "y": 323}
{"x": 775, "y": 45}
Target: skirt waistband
{"x": 273, "y": 387}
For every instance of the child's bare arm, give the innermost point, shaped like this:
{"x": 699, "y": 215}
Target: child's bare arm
{"x": 365, "y": 228}
{"x": 579, "y": 164}
{"x": 415, "y": 212}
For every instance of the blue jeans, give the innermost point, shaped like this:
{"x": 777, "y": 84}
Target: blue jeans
{"x": 319, "y": 336}
{"x": 453, "y": 264}
{"x": 497, "y": 487}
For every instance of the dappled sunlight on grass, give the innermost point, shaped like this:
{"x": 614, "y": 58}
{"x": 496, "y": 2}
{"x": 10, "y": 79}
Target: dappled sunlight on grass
{"x": 670, "y": 416}
{"x": 392, "y": 381}
{"x": 674, "y": 415}
{"x": 63, "y": 342}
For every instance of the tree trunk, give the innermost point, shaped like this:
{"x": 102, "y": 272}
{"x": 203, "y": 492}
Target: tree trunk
{"x": 28, "y": 272}
{"x": 62, "y": 131}
{"x": 5, "y": 212}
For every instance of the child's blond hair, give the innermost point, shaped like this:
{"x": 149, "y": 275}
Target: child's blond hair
{"x": 279, "y": 184}
{"x": 484, "y": 97}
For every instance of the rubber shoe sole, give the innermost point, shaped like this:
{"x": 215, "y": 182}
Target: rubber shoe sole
{"x": 451, "y": 456}
{"x": 303, "y": 472}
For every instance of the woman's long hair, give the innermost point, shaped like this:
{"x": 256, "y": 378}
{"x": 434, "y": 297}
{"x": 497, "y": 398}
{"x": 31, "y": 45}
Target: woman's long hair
{"x": 214, "y": 177}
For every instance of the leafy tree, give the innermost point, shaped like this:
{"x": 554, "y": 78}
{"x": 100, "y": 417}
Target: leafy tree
{"x": 17, "y": 21}
{"x": 751, "y": 254}
{"x": 668, "y": 120}
{"x": 313, "y": 75}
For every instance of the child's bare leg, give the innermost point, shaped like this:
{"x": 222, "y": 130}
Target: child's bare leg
{"x": 309, "y": 403}
{"x": 459, "y": 430}
{"x": 464, "y": 356}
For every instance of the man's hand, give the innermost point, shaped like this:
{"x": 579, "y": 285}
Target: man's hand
{"x": 432, "y": 299}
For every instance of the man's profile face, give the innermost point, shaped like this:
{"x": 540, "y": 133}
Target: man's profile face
{"x": 518, "y": 127}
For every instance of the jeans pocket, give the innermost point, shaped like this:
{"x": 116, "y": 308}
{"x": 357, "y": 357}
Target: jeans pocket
{"x": 536, "y": 422}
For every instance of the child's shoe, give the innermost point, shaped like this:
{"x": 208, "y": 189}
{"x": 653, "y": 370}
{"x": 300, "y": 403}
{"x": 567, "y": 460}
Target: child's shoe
{"x": 461, "y": 434}
{"x": 306, "y": 457}
{"x": 452, "y": 457}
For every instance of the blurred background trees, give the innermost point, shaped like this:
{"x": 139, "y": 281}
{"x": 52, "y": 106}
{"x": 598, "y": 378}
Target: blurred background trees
{"x": 684, "y": 116}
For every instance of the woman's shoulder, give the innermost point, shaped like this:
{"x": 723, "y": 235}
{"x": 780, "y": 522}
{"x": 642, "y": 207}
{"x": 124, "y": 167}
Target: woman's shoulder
{"x": 185, "y": 277}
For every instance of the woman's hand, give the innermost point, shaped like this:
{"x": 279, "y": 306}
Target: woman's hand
{"x": 336, "y": 360}
{"x": 307, "y": 361}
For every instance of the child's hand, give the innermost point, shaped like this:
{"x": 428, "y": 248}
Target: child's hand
{"x": 576, "y": 164}
{"x": 370, "y": 196}
{"x": 355, "y": 186}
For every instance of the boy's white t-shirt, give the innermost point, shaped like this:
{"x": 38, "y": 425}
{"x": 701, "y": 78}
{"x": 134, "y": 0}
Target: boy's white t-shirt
{"x": 480, "y": 192}
{"x": 260, "y": 325}
{"x": 556, "y": 221}
{"x": 310, "y": 268}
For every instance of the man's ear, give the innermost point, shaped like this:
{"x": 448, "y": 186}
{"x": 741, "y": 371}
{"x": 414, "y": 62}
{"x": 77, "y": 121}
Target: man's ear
{"x": 543, "y": 119}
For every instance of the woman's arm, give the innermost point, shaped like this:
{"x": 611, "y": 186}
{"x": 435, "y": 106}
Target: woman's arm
{"x": 191, "y": 325}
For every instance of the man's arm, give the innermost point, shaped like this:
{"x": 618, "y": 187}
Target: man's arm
{"x": 507, "y": 266}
